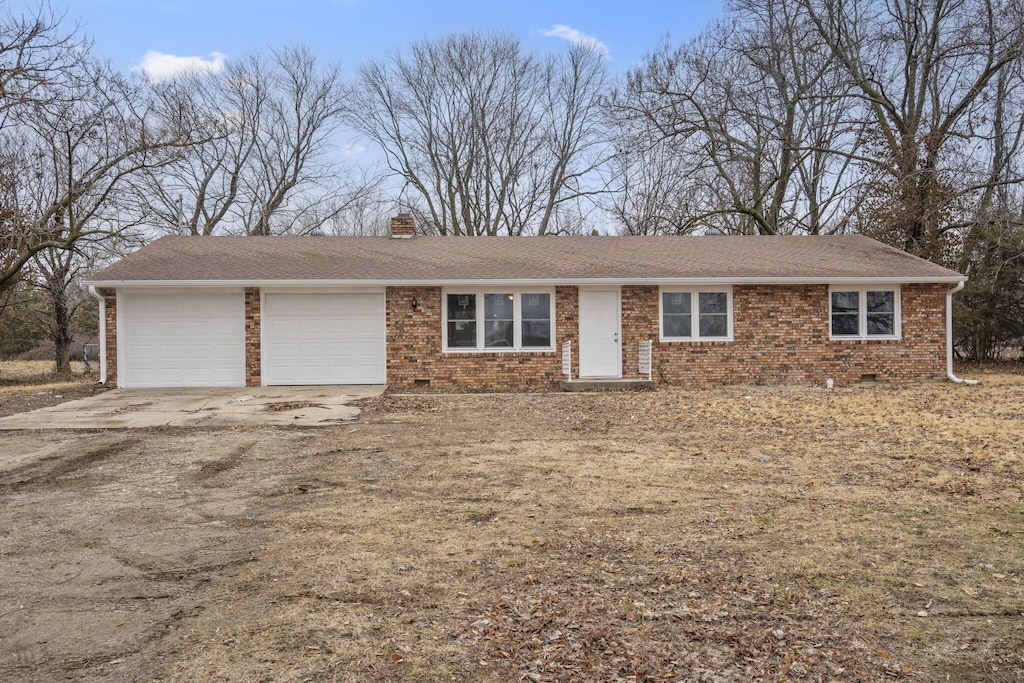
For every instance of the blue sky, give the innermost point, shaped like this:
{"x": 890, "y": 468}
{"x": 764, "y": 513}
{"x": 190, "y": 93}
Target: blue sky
{"x": 356, "y": 30}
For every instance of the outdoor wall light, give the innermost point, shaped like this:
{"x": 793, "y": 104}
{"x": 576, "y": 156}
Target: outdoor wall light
{"x": 415, "y": 303}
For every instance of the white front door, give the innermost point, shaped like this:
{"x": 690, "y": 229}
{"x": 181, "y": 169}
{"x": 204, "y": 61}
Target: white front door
{"x": 600, "y": 348}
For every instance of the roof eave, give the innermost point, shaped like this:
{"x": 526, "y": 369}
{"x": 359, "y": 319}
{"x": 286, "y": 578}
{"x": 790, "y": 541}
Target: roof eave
{"x": 539, "y": 282}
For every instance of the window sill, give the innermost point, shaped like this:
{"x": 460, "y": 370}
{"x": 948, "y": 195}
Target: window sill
{"x": 699, "y": 340}
{"x": 865, "y": 339}
{"x": 496, "y": 351}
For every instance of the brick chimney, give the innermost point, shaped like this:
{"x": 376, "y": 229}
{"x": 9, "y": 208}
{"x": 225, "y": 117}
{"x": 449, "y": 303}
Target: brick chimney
{"x": 403, "y": 226}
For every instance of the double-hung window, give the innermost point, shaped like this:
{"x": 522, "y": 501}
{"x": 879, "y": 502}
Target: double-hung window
{"x": 866, "y": 313}
{"x": 461, "y": 315}
{"x": 696, "y": 314}
{"x": 503, "y": 320}
{"x": 499, "y": 320}
{"x": 535, "y": 321}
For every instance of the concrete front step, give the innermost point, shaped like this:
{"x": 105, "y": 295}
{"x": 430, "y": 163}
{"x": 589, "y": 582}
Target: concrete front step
{"x": 606, "y": 384}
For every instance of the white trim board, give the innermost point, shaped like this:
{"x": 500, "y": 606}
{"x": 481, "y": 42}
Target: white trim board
{"x": 546, "y": 282}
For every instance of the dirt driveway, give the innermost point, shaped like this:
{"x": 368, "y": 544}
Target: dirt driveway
{"x": 209, "y": 407}
{"x": 742, "y": 533}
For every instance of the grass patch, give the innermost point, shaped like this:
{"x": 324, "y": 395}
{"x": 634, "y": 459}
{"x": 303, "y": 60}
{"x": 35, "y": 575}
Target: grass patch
{"x": 35, "y": 371}
{"x": 28, "y": 385}
{"x": 741, "y": 533}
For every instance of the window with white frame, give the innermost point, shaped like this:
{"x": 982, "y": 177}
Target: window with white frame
{"x": 696, "y": 314}
{"x": 498, "y": 320}
{"x": 864, "y": 313}
{"x": 461, "y": 316}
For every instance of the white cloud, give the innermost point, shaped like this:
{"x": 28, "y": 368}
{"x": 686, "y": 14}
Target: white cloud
{"x": 159, "y": 67}
{"x": 574, "y": 36}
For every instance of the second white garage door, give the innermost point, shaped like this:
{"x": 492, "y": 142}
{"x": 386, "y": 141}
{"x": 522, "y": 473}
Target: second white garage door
{"x": 324, "y": 339}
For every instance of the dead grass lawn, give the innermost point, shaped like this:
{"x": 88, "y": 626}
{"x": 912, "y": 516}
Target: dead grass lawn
{"x": 22, "y": 370}
{"x": 28, "y": 385}
{"x": 727, "y": 534}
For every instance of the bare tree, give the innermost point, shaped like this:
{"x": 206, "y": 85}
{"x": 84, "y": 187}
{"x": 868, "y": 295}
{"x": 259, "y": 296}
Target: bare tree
{"x": 577, "y": 133}
{"x": 200, "y": 191}
{"x": 58, "y": 273}
{"x": 923, "y": 72}
{"x": 653, "y": 197}
{"x": 36, "y": 53}
{"x": 989, "y": 315}
{"x": 36, "y": 49}
{"x": 367, "y": 214}
{"x": 260, "y": 161}
{"x": 489, "y": 138}
{"x": 298, "y": 123}
{"x": 71, "y": 157}
{"x": 900, "y": 119}
{"x": 71, "y": 160}
{"x": 745, "y": 115}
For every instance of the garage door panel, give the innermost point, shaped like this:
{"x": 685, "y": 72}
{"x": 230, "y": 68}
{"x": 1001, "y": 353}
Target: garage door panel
{"x": 225, "y": 353}
{"x": 365, "y": 351}
{"x": 182, "y": 339}
{"x": 324, "y": 338}
{"x": 336, "y": 327}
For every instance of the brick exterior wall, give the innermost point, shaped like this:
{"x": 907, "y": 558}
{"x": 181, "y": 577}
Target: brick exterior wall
{"x": 781, "y": 336}
{"x": 414, "y": 354}
{"x": 253, "y": 364}
{"x": 110, "y": 306}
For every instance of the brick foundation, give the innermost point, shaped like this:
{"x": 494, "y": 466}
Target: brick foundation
{"x": 253, "y": 363}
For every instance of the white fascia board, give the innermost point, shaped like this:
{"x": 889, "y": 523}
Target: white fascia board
{"x": 546, "y": 282}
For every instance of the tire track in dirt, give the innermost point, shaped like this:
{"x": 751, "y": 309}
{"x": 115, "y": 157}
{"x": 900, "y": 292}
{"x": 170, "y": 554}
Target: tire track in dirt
{"x": 34, "y": 662}
{"x": 63, "y": 467}
{"x": 228, "y": 462}
{"x": 133, "y": 588}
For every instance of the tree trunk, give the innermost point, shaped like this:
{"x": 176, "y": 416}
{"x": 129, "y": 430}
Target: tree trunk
{"x": 61, "y": 331}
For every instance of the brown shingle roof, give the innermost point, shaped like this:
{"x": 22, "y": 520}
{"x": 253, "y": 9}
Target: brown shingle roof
{"x": 549, "y": 259}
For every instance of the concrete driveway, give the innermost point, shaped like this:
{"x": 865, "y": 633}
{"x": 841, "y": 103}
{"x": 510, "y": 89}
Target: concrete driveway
{"x": 253, "y": 406}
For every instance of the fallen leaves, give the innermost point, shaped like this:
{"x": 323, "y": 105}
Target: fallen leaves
{"x": 573, "y": 614}
{"x": 281, "y": 406}
{"x": 718, "y": 535}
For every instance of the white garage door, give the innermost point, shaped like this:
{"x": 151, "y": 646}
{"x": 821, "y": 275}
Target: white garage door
{"x": 181, "y": 340}
{"x": 324, "y": 339}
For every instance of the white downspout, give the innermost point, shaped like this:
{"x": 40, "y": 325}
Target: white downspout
{"x": 103, "y": 333}
{"x": 949, "y": 337}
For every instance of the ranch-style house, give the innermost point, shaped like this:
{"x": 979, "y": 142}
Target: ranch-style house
{"x": 492, "y": 313}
